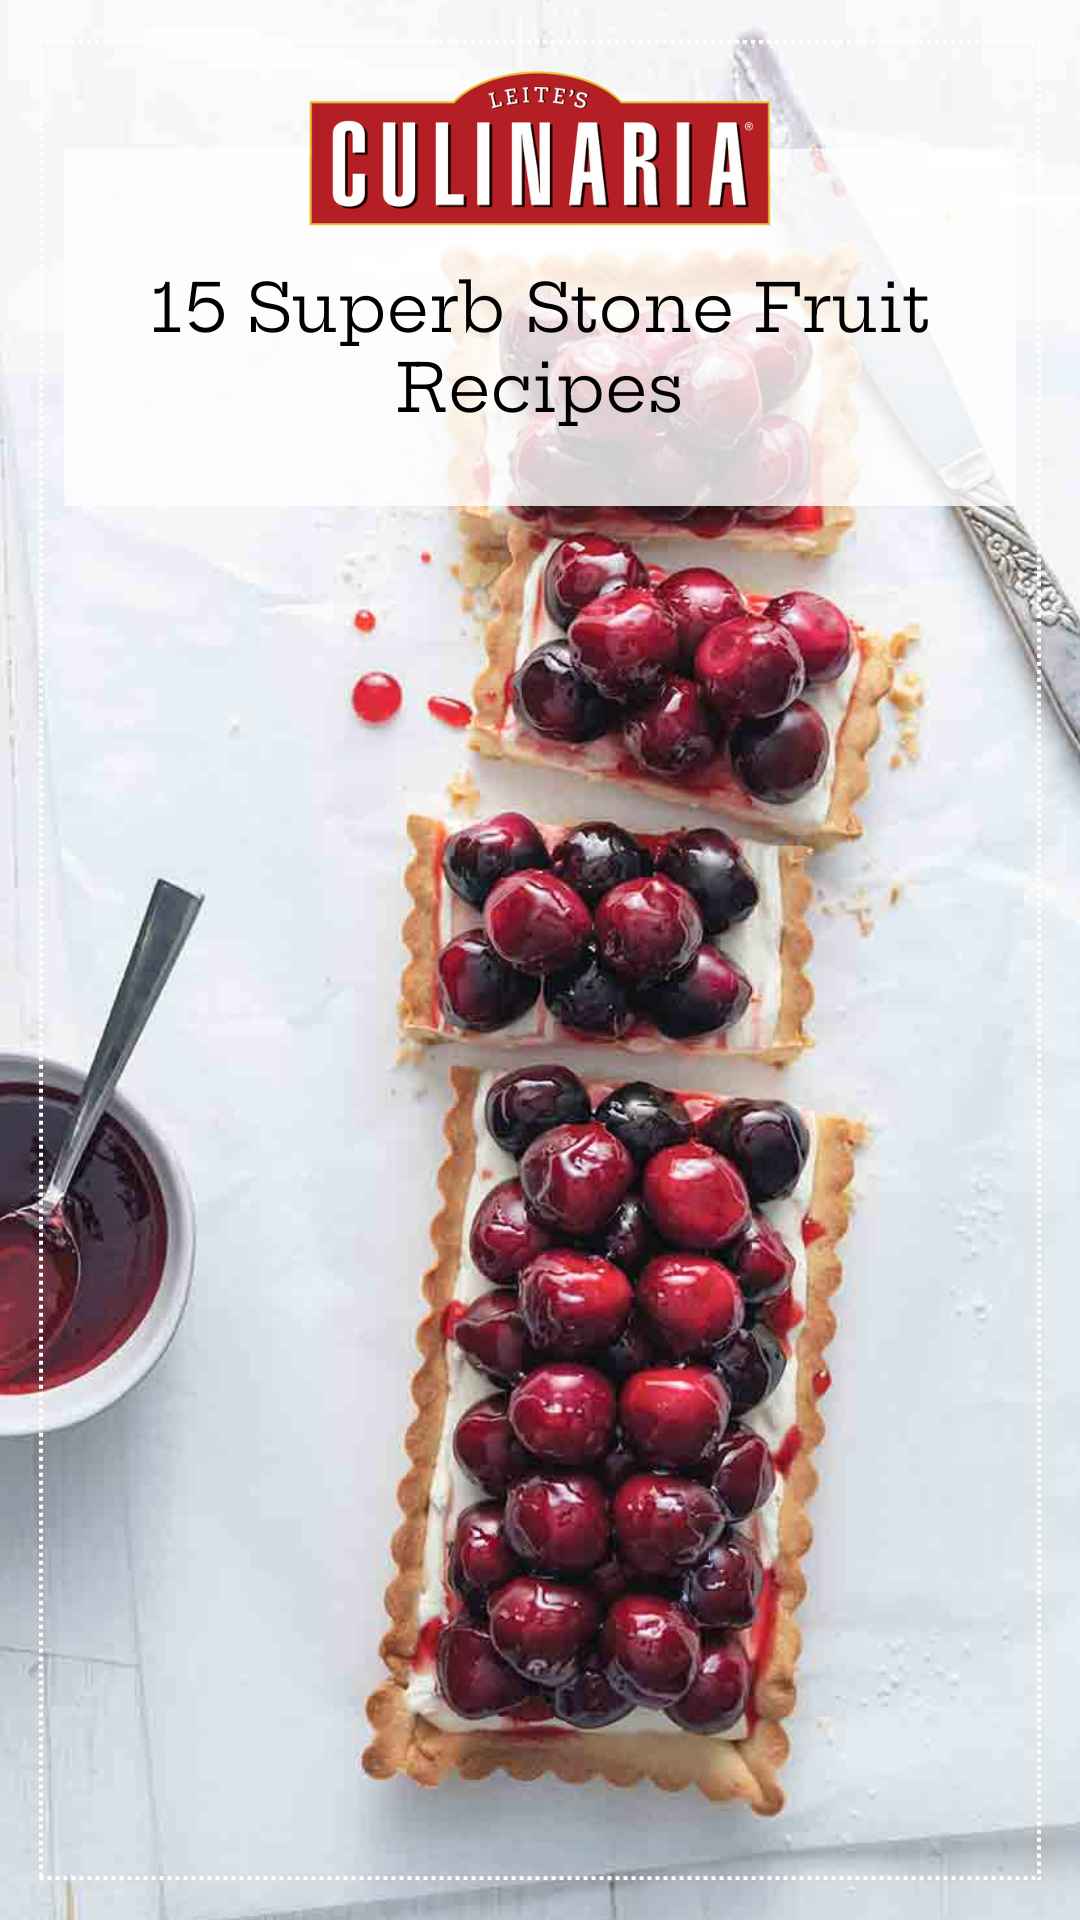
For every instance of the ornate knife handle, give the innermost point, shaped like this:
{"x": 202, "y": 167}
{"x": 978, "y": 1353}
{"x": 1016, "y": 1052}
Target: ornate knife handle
{"x": 1031, "y": 594}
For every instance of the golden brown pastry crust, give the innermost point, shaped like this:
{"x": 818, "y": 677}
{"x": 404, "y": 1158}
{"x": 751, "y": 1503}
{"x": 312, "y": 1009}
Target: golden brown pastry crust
{"x": 418, "y": 1007}
{"x": 858, "y": 730}
{"x": 406, "y": 1742}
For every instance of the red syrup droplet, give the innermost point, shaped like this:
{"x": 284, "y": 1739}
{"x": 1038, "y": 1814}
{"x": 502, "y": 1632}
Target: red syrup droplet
{"x": 782, "y": 1314}
{"x": 425, "y": 558}
{"x": 364, "y": 621}
{"x": 427, "y": 1642}
{"x": 453, "y": 1311}
{"x": 453, "y": 713}
{"x": 821, "y": 1381}
{"x": 811, "y": 1230}
{"x": 785, "y": 1453}
{"x": 376, "y": 698}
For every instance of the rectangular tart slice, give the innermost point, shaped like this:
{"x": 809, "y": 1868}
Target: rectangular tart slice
{"x": 722, "y": 1537}
{"x": 748, "y": 995}
{"x": 827, "y": 768}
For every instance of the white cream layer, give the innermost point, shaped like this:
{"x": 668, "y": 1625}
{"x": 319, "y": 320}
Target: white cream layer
{"x": 452, "y": 1490}
{"x": 606, "y": 757}
{"x": 754, "y": 946}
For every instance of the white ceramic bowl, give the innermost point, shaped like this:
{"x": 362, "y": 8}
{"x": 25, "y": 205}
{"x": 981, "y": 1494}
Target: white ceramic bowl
{"x": 74, "y": 1400}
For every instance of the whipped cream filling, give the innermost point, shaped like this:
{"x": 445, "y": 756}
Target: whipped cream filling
{"x": 607, "y": 757}
{"x": 754, "y": 946}
{"x": 452, "y": 1490}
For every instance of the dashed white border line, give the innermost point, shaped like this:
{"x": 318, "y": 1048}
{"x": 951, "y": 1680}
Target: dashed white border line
{"x": 614, "y": 1876}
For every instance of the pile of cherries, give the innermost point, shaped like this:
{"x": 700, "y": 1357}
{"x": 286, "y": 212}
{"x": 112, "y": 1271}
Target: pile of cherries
{"x": 605, "y": 1569}
{"x": 615, "y": 929}
{"x": 681, "y": 671}
{"x": 728, "y": 439}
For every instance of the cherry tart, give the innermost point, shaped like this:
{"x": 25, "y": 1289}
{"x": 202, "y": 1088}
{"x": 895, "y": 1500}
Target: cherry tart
{"x": 794, "y": 399}
{"x": 642, "y": 666}
{"x": 587, "y": 933}
{"x": 598, "y": 1565}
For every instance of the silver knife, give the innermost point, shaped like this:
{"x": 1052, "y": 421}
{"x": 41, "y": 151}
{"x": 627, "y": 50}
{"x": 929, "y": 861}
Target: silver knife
{"x": 915, "y": 383}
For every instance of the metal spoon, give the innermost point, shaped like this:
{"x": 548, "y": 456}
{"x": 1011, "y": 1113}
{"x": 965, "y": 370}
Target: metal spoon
{"x": 42, "y": 1223}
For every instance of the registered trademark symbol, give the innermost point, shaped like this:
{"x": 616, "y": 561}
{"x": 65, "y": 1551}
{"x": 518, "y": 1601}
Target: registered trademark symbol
{"x": 748, "y": 126}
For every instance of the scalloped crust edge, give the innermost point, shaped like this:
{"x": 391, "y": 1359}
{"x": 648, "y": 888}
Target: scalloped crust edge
{"x": 418, "y": 1003}
{"x": 746, "y": 1770}
{"x": 858, "y": 730}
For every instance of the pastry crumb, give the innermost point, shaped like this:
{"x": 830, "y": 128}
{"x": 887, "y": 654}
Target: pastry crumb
{"x": 902, "y": 641}
{"x": 896, "y": 760}
{"x": 464, "y": 794}
{"x": 895, "y": 893}
{"x": 409, "y": 1052}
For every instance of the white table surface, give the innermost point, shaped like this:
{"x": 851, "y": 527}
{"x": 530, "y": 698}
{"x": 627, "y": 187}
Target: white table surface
{"x": 166, "y": 1610}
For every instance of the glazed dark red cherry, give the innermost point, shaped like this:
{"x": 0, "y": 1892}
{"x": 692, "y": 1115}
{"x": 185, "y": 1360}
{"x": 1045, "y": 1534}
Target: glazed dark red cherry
{"x": 749, "y": 667}
{"x": 589, "y": 1700}
{"x": 716, "y": 1698}
{"x": 647, "y": 929}
{"x": 543, "y": 469}
{"x": 673, "y": 733}
{"x": 473, "y": 1678}
{"x": 766, "y": 1139}
{"x": 650, "y": 1649}
{"x": 558, "y": 1522}
{"x": 645, "y": 1118}
{"x": 542, "y": 1626}
{"x": 595, "y": 856}
{"x": 523, "y": 1104}
{"x": 476, "y": 856}
{"x": 778, "y": 470}
{"x": 760, "y": 1260}
{"x": 673, "y": 1416}
{"x": 535, "y": 922}
{"x": 694, "y": 1196}
{"x": 663, "y": 1524}
{"x": 719, "y": 396}
{"x": 588, "y": 999}
{"x": 563, "y": 1412}
{"x": 573, "y": 1302}
{"x": 584, "y": 568}
{"x": 481, "y": 1557}
{"x": 781, "y": 357}
{"x": 574, "y": 1177}
{"x": 780, "y": 759}
{"x": 491, "y": 1333}
{"x": 486, "y": 1446}
{"x": 743, "y": 1474}
{"x": 709, "y": 864}
{"x": 820, "y": 631}
{"x": 555, "y": 700}
{"x": 691, "y": 1303}
{"x": 699, "y": 598}
{"x": 632, "y": 1350}
{"x": 723, "y": 1589}
{"x": 628, "y": 1239}
{"x": 503, "y": 1237}
{"x": 751, "y": 1364}
{"x": 624, "y": 643}
{"x": 477, "y": 989}
{"x": 707, "y": 997}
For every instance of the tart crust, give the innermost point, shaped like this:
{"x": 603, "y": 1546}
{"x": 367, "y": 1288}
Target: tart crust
{"x": 418, "y": 1007}
{"x": 858, "y": 730}
{"x": 406, "y": 1742}
{"x": 485, "y": 535}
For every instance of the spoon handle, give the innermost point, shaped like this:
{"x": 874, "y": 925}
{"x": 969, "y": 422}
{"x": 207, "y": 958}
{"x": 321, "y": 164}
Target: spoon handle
{"x": 166, "y": 924}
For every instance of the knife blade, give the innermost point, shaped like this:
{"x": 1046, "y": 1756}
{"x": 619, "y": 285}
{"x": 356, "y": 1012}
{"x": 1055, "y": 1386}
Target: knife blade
{"x": 912, "y": 378}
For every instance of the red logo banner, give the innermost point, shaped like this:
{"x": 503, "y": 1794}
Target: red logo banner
{"x": 539, "y": 149}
